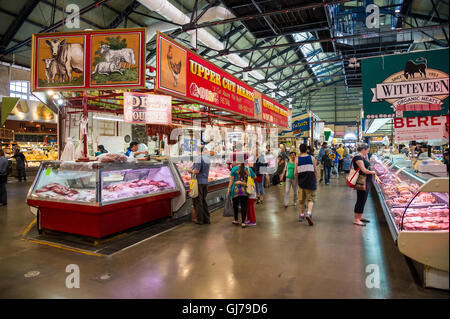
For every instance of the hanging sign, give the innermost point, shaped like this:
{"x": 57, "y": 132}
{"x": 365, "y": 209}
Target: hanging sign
{"x": 81, "y": 60}
{"x": 186, "y": 75}
{"x": 406, "y": 85}
{"x": 143, "y": 108}
{"x": 421, "y": 128}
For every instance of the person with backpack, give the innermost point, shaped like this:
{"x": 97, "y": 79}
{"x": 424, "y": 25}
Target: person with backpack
{"x": 20, "y": 164}
{"x": 237, "y": 190}
{"x": 360, "y": 162}
{"x": 305, "y": 169}
{"x": 326, "y": 164}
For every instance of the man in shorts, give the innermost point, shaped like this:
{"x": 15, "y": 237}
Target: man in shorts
{"x": 305, "y": 169}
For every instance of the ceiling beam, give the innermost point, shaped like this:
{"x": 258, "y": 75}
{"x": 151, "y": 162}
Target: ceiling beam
{"x": 124, "y": 14}
{"x": 52, "y": 27}
{"x": 188, "y": 27}
{"x": 17, "y": 23}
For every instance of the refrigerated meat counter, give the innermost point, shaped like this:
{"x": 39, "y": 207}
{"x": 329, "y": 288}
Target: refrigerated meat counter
{"x": 416, "y": 207}
{"x": 219, "y": 177}
{"x": 99, "y": 199}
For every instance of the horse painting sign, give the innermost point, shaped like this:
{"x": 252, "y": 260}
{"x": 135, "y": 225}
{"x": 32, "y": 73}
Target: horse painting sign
{"x": 88, "y": 59}
{"x": 406, "y": 85}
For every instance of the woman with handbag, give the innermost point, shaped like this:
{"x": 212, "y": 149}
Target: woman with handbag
{"x": 362, "y": 184}
{"x": 237, "y": 190}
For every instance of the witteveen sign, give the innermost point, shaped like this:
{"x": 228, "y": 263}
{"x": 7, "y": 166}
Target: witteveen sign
{"x": 406, "y": 85}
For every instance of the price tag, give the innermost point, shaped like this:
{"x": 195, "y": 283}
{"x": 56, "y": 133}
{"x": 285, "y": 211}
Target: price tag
{"x": 48, "y": 171}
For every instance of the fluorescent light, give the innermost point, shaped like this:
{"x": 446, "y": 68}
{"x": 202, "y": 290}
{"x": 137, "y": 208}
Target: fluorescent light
{"x": 60, "y": 102}
{"x": 104, "y": 118}
{"x": 376, "y": 124}
{"x": 50, "y": 92}
{"x": 282, "y": 93}
{"x": 397, "y": 10}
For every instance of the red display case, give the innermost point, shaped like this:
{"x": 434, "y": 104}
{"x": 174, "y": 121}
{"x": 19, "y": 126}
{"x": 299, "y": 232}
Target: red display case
{"x": 99, "y": 199}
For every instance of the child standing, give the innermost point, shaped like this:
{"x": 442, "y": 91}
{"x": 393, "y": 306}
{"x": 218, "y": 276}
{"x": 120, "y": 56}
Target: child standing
{"x": 251, "y": 216}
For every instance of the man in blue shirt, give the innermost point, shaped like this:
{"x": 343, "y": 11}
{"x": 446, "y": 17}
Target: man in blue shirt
{"x": 319, "y": 159}
{"x": 133, "y": 151}
{"x": 201, "y": 170}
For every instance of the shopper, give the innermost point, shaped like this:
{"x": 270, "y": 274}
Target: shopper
{"x": 201, "y": 170}
{"x": 335, "y": 158}
{"x": 319, "y": 159}
{"x": 259, "y": 168}
{"x": 238, "y": 156}
{"x": 100, "y": 150}
{"x": 306, "y": 174}
{"x": 283, "y": 153}
{"x": 20, "y": 164}
{"x": 277, "y": 177}
{"x": 3, "y": 177}
{"x": 271, "y": 161}
{"x": 360, "y": 161}
{"x": 291, "y": 180}
{"x": 327, "y": 164}
{"x": 340, "y": 151}
{"x": 251, "y": 215}
{"x": 237, "y": 190}
{"x": 133, "y": 150}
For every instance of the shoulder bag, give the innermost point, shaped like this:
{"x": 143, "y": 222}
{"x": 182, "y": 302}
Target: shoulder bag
{"x": 353, "y": 176}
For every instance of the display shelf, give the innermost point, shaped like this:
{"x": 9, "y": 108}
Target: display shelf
{"x": 98, "y": 199}
{"x": 416, "y": 209}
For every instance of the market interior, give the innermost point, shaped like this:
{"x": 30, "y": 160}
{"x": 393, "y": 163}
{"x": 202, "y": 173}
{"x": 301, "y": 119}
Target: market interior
{"x": 113, "y": 110}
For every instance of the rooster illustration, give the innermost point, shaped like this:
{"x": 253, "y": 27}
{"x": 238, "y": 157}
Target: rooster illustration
{"x": 175, "y": 68}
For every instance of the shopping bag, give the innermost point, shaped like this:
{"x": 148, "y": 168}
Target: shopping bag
{"x": 276, "y": 179}
{"x": 250, "y": 185}
{"x": 193, "y": 187}
{"x": 228, "y": 209}
{"x": 352, "y": 177}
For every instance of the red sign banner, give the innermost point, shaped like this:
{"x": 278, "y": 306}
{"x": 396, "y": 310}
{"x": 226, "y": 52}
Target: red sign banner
{"x": 143, "y": 108}
{"x": 421, "y": 128}
{"x": 274, "y": 112}
{"x": 186, "y": 75}
{"x": 82, "y": 60}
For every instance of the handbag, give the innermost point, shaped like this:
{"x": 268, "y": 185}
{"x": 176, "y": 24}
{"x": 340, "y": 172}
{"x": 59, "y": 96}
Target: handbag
{"x": 361, "y": 183}
{"x": 228, "y": 210}
{"x": 276, "y": 179}
{"x": 250, "y": 185}
{"x": 353, "y": 176}
{"x": 193, "y": 187}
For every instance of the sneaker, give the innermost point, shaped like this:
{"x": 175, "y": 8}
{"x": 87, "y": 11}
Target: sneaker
{"x": 251, "y": 224}
{"x": 301, "y": 218}
{"x": 309, "y": 220}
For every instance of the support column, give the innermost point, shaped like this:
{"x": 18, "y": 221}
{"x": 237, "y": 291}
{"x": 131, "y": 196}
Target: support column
{"x": 85, "y": 116}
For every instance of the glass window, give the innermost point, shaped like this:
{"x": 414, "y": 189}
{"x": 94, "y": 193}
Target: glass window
{"x": 21, "y": 89}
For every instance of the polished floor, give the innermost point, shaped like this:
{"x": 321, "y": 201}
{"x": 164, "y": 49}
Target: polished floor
{"x": 279, "y": 258}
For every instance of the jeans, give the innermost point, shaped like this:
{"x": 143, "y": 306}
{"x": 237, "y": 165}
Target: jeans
{"x": 327, "y": 171}
{"x": 259, "y": 188}
{"x": 242, "y": 200}
{"x": 21, "y": 174}
{"x": 334, "y": 169}
{"x": 3, "y": 195}
{"x": 341, "y": 162}
{"x": 290, "y": 183}
{"x": 200, "y": 204}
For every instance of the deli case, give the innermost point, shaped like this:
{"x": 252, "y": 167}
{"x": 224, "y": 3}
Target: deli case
{"x": 416, "y": 207}
{"x": 219, "y": 177}
{"x": 99, "y": 199}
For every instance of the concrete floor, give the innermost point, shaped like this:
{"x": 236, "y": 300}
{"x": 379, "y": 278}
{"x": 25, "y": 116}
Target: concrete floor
{"x": 279, "y": 258}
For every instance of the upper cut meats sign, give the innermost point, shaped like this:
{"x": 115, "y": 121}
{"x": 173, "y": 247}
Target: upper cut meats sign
{"x": 184, "y": 74}
{"x": 406, "y": 85}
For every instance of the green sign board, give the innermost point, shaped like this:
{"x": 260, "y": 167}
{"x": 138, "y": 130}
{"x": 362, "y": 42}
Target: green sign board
{"x": 405, "y": 85}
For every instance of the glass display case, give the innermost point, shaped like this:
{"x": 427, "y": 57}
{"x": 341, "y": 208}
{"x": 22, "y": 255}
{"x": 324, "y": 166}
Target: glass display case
{"x": 98, "y": 199}
{"x": 218, "y": 171}
{"x": 408, "y": 208}
{"x": 101, "y": 183}
{"x": 416, "y": 209}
